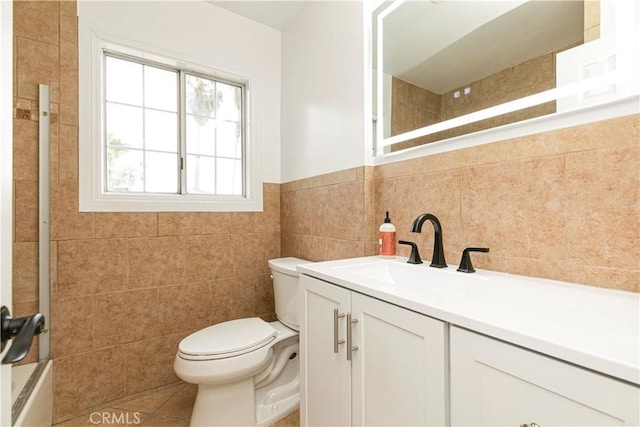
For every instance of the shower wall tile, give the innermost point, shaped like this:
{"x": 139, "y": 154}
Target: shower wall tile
{"x": 232, "y": 298}
{"x": 37, "y": 63}
{"x": 189, "y": 223}
{"x": 25, "y": 272}
{"x": 54, "y": 147}
{"x": 156, "y": 261}
{"x": 36, "y": 20}
{"x": 67, "y": 222}
{"x": 25, "y": 150}
{"x": 149, "y": 363}
{"x": 67, "y": 159}
{"x": 249, "y": 252}
{"x": 263, "y": 291}
{"x": 125, "y": 224}
{"x": 74, "y": 322}
{"x": 127, "y": 316}
{"x": 53, "y": 268}
{"x": 241, "y": 222}
{"x": 183, "y": 307}
{"x": 210, "y": 257}
{"x": 268, "y": 221}
{"x": 68, "y": 63}
{"x": 26, "y": 211}
{"x": 91, "y": 266}
{"x": 81, "y": 380}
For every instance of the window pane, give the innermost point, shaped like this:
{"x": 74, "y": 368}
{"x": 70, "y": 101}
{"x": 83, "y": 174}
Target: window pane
{"x": 228, "y": 140}
{"x": 200, "y": 96}
{"x": 201, "y": 135}
{"x": 229, "y": 102}
{"x": 161, "y": 131}
{"x": 161, "y": 173}
{"x": 143, "y": 122}
{"x": 124, "y": 126}
{"x": 124, "y": 170}
{"x": 123, "y": 81}
{"x": 201, "y": 174}
{"x": 160, "y": 89}
{"x": 229, "y": 176}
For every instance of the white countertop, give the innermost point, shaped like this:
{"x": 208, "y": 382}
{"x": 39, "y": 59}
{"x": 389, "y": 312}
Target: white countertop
{"x": 592, "y": 327}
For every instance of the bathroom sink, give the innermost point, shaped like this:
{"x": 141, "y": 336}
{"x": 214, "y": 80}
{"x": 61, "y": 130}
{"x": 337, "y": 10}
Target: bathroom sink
{"x": 395, "y": 273}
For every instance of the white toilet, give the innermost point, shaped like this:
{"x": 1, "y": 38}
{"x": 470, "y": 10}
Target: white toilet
{"x": 247, "y": 369}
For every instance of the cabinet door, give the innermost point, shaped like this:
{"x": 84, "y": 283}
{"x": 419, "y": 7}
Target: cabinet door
{"x": 325, "y": 376}
{"x": 399, "y": 370}
{"x": 494, "y": 384}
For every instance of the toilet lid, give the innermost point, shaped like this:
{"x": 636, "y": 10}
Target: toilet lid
{"x": 227, "y": 339}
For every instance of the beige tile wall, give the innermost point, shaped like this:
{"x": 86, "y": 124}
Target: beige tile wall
{"x": 562, "y": 205}
{"x": 327, "y": 217}
{"x": 126, "y": 287}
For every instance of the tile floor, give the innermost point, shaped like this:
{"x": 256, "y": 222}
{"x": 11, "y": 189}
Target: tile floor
{"x": 168, "y": 406}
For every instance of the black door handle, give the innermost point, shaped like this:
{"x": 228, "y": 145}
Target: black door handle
{"x": 23, "y": 329}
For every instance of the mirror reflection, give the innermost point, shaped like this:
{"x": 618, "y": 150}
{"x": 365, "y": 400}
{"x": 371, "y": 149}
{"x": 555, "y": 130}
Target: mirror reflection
{"x": 443, "y": 59}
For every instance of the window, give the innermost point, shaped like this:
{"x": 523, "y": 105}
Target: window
{"x": 168, "y": 130}
{"x": 163, "y": 133}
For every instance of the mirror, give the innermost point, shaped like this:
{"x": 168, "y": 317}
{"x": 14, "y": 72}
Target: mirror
{"x": 446, "y": 68}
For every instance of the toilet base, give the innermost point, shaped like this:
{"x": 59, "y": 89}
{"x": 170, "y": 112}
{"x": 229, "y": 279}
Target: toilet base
{"x": 224, "y": 405}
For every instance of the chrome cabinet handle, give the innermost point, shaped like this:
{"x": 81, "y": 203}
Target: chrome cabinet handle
{"x": 350, "y": 348}
{"x": 529, "y": 425}
{"x": 336, "y": 341}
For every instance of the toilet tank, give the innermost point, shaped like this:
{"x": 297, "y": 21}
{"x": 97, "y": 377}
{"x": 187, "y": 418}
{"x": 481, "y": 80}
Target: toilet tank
{"x": 285, "y": 289}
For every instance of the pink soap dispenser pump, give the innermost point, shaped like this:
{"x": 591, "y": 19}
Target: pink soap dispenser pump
{"x": 387, "y": 240}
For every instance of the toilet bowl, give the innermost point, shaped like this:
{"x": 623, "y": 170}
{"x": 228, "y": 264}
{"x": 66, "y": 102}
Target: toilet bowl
{"x": 247, "y": 369}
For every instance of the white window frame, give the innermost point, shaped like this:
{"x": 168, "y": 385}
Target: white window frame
{"x": 92, "y": 194}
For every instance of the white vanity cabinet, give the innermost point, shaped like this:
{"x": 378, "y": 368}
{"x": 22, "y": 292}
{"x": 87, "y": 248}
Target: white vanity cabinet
{"x": 396, "y": 374}
{"x": 494, "y": 383}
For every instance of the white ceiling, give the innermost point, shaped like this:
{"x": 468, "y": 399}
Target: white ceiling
{"x": 275, "y": 14}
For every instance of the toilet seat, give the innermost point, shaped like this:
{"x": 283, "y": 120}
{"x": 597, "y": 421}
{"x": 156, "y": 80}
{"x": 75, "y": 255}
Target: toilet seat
{"x": 227, "y": 339}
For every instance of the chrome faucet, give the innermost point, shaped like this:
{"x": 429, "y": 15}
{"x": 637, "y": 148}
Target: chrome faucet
{"x": 438, "y": 251}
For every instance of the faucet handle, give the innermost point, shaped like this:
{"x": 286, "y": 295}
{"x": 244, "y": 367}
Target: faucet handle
{"x": 465, "y": 262}
{"x": 414, "y": 258}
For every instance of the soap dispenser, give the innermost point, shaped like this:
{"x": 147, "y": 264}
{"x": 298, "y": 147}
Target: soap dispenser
{"x": 387, "y": 239}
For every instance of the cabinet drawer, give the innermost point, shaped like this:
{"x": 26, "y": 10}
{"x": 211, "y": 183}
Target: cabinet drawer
{"x": 494, "y": 383}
